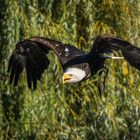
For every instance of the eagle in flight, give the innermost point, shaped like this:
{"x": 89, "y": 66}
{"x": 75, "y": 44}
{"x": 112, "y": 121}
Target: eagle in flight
{"x": 77, "y": 65}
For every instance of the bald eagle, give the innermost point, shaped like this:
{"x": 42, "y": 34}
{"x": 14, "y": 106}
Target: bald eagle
{"x": 77, "y": 65}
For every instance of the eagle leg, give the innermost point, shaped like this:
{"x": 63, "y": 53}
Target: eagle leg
{"x": 104, "y": 70}
{"x": 99, "y": 81}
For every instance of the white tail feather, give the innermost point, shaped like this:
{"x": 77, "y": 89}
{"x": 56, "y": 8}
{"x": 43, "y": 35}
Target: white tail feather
{"x": 111, "y": 57}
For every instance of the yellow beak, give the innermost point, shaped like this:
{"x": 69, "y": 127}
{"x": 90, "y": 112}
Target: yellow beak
{"x": 66, "y": 78}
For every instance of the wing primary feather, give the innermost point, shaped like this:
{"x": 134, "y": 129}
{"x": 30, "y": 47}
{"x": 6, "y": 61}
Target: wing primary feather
{"x": 33, "y": 63}
{"x": 29, "y": 67}
{"x": 19, "y": 69}
{"x": 12, "y": 57}
{"x": 13, "y": 69}
{"x": 38, "y": 61}
{"x": 29, "y": 75}
{"x": 32, "y": 56}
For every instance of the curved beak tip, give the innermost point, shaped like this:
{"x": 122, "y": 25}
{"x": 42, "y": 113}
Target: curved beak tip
{"x": 66, "y": 78}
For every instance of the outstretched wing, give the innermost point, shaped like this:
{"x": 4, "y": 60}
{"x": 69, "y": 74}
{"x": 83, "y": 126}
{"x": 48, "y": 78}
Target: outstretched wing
{"x": 31, "y": 54}
{"x": 107, "y": 44}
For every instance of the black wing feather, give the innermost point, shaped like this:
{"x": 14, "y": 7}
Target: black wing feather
{"x": 29, "y": 74}
{"x": 30, "y": 62}
{"x": 37, "y": 57}
{"x": 107, "y": 44}
{"x": 13, "y": 70}
{"x": 19, "y": 69}
{"x": 31, "y": 54}
{"x": 11, "y": 60}
{"x": 27, "y": 54}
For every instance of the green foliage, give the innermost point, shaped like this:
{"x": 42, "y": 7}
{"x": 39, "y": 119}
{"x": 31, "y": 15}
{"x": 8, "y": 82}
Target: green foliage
{"x": 76, "y": 111}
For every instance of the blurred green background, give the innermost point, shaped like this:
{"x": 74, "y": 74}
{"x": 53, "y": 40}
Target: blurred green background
{"x": 76, "y": 111}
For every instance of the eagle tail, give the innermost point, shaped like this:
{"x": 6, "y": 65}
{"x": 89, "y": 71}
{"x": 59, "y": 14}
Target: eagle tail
{"x": 111, "y": 57}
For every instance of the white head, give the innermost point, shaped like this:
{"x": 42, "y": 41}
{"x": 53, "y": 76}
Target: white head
{"x": 73, "y": 75}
